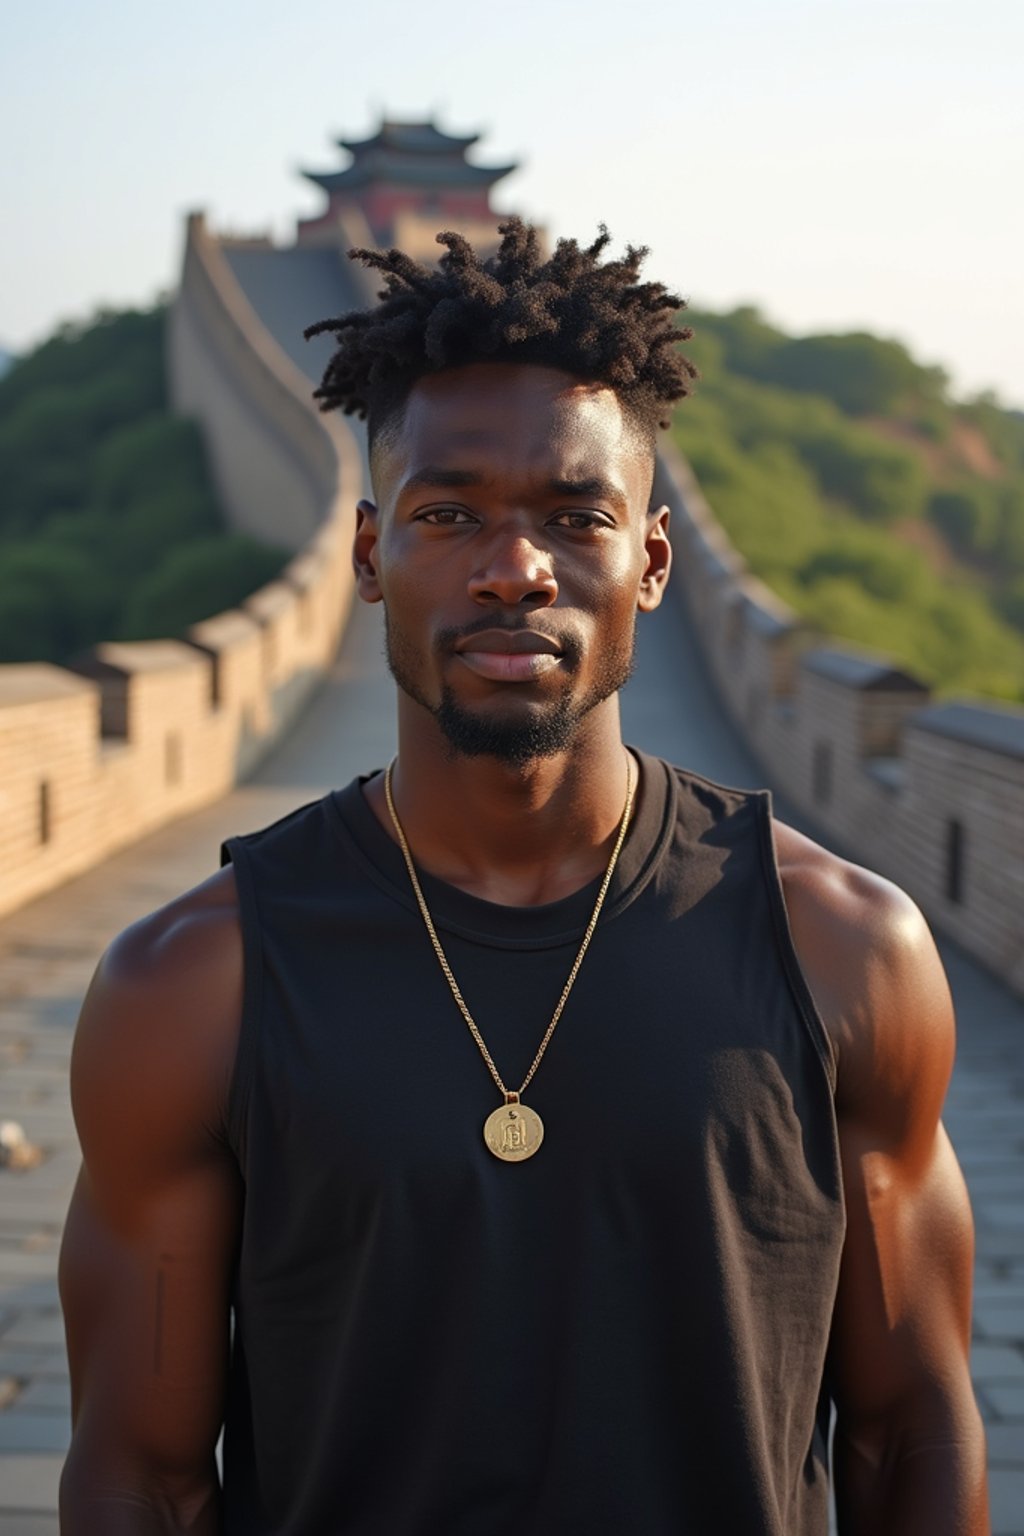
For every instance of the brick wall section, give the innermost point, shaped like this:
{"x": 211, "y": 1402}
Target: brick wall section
{"x": 930, "y": 795}
{"x": 142, "y": 732}
{"x": 153, "y": 728}
{"x": 49, "y": 733}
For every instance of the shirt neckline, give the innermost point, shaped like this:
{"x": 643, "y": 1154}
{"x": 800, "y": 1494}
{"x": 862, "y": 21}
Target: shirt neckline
{"x": 492, "y": 923}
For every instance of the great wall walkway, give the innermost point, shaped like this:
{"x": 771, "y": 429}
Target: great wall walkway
{"x": 49, "y": 948}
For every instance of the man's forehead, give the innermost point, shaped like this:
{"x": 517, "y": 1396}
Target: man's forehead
{"x": 513, "y": 418}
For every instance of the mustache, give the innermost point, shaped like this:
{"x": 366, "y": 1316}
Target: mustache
{"x": 567, "y": 641}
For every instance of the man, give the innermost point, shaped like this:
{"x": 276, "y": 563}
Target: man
{"x": 561, "y": 1132}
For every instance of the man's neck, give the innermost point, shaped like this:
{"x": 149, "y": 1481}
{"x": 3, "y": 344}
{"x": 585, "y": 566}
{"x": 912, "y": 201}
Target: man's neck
{"x": 520, "y": 836}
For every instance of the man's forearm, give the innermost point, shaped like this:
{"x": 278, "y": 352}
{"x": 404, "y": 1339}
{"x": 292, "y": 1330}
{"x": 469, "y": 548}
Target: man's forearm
{"x": 929, "y": 1488}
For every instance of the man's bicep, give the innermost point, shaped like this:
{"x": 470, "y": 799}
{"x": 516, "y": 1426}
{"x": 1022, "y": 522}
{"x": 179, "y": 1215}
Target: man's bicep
{"x": 901, "y": 1328}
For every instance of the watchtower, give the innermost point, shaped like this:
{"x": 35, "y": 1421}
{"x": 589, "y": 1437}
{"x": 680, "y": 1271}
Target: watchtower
{"x": 403, "y": 184}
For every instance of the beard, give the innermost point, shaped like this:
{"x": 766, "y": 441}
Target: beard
{"x": 545, "y": 730}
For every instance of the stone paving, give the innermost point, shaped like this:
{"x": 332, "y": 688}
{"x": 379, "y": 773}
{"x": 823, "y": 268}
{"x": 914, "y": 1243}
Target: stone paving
{"x": 49, "y": 949}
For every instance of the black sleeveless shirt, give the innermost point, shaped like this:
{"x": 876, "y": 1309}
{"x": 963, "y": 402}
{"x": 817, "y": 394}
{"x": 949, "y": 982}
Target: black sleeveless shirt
{"x": 624, "y": 1334}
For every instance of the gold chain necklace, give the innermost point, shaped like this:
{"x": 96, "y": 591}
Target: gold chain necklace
{"x": 513, "y": 1132}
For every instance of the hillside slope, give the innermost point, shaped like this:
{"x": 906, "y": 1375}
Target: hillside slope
{"x": 884, "y": 512}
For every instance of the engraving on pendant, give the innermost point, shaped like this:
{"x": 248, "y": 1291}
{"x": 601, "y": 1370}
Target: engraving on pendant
{"x": 513, "y": 1132}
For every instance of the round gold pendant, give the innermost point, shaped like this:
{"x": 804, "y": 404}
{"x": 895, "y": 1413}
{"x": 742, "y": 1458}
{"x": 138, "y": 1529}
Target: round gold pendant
{"x": 513, "y": 1132}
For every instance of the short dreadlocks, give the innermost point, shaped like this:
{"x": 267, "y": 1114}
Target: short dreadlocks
{"x": 572, "y": 312}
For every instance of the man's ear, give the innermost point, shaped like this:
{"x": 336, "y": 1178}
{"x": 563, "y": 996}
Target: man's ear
{"x": 658, "y": 552}
{"x": 364, "y": 552}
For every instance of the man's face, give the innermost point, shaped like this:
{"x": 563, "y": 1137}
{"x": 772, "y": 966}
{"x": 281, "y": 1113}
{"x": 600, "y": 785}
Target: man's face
{"x": 511, "y": 546}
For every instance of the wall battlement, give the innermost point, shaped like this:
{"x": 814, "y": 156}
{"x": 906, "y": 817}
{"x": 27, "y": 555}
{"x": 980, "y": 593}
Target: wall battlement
{"x": 143, "y": 731}
{"x": 931, "y": 795}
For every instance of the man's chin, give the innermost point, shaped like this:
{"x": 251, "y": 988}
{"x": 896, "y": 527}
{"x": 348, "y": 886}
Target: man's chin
{"x": 514, "y": 735}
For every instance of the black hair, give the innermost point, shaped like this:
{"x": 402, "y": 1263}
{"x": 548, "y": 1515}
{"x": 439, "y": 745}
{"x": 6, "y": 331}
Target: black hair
{"x": 571, "y": 311}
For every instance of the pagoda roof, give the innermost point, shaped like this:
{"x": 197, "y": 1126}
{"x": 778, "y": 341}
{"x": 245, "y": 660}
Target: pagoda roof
{"x": 411, "y": 138}
{"x": 408, "y": 170}
{"x": 409, "y": 154}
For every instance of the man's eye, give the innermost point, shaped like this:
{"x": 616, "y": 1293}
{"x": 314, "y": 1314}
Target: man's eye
{"x": 579, "y": 520}
{"x": 445, "y": 517}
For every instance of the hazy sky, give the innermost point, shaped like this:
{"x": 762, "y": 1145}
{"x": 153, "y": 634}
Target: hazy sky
{"x": 842, "y": 163}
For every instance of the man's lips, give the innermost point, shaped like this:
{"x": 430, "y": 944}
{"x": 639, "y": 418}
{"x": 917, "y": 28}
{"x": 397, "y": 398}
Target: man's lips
{"x": 505, "y": 642}
{"x": 508, "y": 655}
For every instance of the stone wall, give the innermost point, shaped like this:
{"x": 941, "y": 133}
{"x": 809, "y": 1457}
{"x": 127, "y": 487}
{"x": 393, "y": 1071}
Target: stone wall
{"x": 270, "y": 453}
{"x": 144, "y": 731}
{"x": 138, "y": 733}
{"x": 931, "y": 795}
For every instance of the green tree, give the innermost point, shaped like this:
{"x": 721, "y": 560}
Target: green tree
{"x": 1010, "y": 603}
{"x": 44, "y": 459}
{"x": 62, "y": 401}
{"x": 1002, "y": 429}
{"x": 126, "y": 345}
{"x": 196, "y": 580}
{"x": 53, "y": 601}
{"x": 157, "y": 456}
{"x": 878, "y": 480}
{"x": 968, "y": 516}
{"x": 748, "y": 342}
{"x": 888, "y": 571}
{"x": 864, "y": 375}
{"x": 1008, "y": 543}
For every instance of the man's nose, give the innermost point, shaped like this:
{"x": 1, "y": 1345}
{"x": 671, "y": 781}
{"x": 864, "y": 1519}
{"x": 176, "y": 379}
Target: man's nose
{"x": 516, "y": 571}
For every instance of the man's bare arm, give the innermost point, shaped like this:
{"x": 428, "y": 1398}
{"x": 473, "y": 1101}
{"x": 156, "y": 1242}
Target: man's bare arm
{"x": 909, "y": 1447}
{"x": 152, "y": 1231}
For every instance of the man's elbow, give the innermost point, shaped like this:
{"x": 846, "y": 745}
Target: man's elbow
{"x": 113, "y": 1494}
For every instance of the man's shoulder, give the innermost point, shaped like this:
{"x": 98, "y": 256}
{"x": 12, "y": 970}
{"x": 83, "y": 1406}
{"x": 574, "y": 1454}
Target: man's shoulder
{"x": 869, "y": 959}
{"x": 199, "y": 927}
{"x": 161, "y": 1018}
{"x": 855, "y": 906}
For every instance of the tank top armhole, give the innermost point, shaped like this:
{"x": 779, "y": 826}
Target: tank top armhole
{"x": 802, "y": 995}
{"x": 234, "y": 852}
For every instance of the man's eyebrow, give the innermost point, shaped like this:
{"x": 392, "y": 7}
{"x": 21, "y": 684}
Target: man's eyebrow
{"x": 436, "y": 477}
{"x": 440, "y": 477}
{"x": 601, "y": 490}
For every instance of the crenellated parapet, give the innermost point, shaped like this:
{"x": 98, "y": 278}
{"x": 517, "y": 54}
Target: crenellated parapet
{"x": 929, "y": 794}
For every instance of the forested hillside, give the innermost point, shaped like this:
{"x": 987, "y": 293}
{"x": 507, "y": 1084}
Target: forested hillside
{"x": 108, "y": 525}
{"x": 883, "y": 512}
